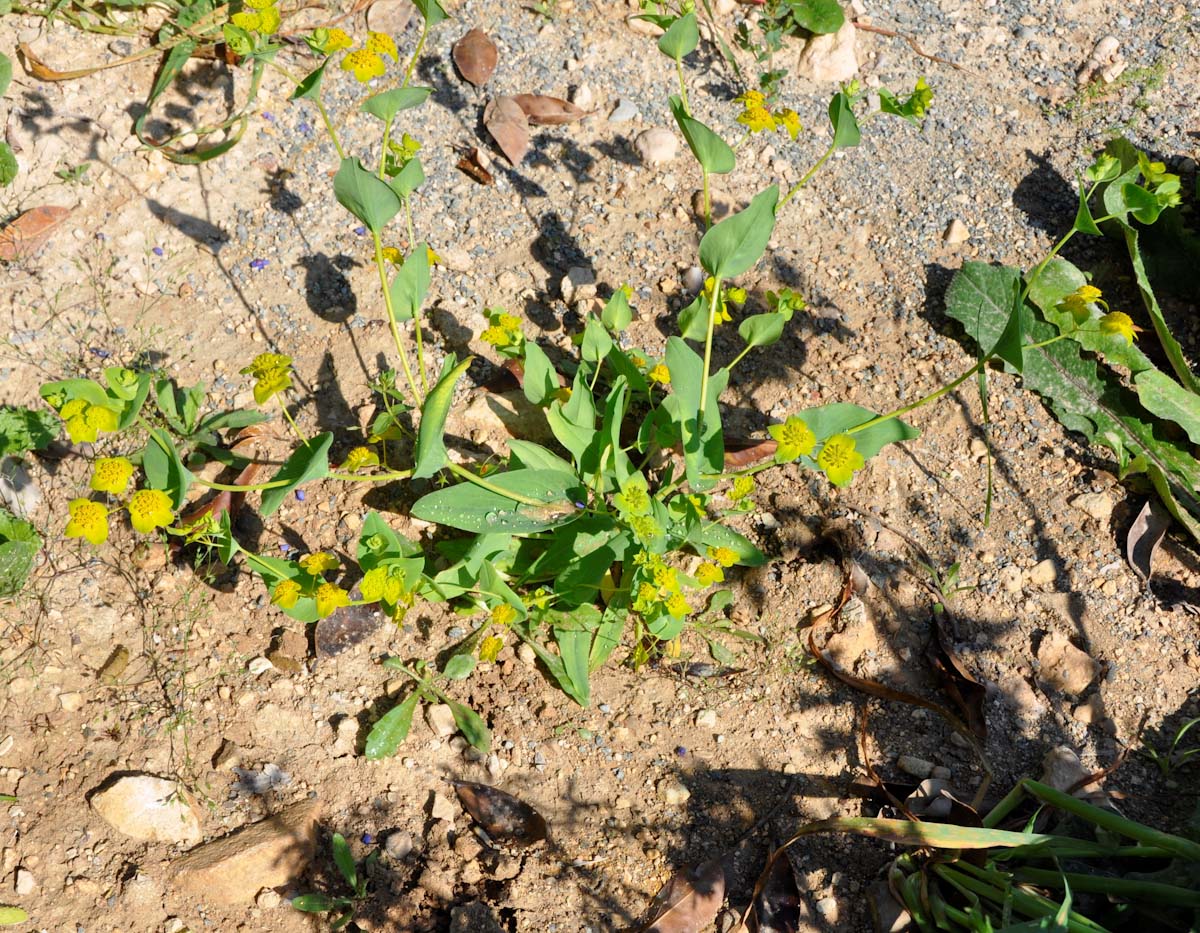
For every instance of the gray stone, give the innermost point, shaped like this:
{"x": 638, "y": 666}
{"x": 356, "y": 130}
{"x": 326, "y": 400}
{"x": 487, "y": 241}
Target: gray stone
{"x": 624, "y": 112}
{"x": 917, "y": 767}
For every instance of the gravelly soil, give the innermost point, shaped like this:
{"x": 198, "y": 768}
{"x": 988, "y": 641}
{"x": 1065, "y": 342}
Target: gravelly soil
{"x": 864, "y": 243}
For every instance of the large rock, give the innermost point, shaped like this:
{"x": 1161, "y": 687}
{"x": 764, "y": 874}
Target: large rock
{"x": 267, "y": 854}
{"x": 1065, "y": 667}
{"x": 831, "y": 58}
{"x": 149, "y": 808}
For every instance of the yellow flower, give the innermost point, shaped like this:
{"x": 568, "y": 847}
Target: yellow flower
{"x": 272, "y": 373}
{"x": 84, "y": 421}
{"x": 380, "y": 583}
{"x": 839, "y": 459}
{"x": 88, "y": 520}
{"x": 756, "y": 119}
{"x": 634, "y": 498}
{"x": 111, "y": 474}
{"x": 1118, "y": 322}
{"x": 246, "y": 19}
{"x": 269, "y": 20}
{"x": 637, "y": 360}
{"x": 1079, "y": 302}
{"x": 678, "y": 606}
{"x": 393, "y": 255}
{"x": 490, "y": 647}
{"x": 724, "y": 556}
{"x": 330, "y": 597}
{"x": 358, "y": 458}
{"x": 258, "y": 4}
{"x": 286, "y": 593}
{"x": 794, "y": 439}
{"x": 921, "y": 98}
{"x": 743, "y": 486}
{"x": 381, "y": 44}
{"x": 318, "y": 562}
{"x": 660, "y": 374}
{"x": 644, "y": 527}
{"x": 365, "y": 65}
{"x": 149, "y": 509}
{"x": 751, "y": 99}
{"x": 665, "y": 578}
{"x": 646, "y": 597}
{"x": 708, "y": 574}
{"x": 503, "y": 614}
{"x": 789, "y": 120}
{"x": 336, "y": 40}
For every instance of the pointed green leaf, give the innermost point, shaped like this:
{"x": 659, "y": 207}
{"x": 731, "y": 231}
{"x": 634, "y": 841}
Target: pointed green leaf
{"x": 820, "y": 17}
{"x": 410, "y": 284}
{"x": 344, "y": 859}
{"x": 845, "y": 125}
{"x": 526, "y": 454}
{"x": 681, "y": 37}
{"x": 736, "y": 243}
{"x": 1084, "y": 222}
{"x": 432, "y": 11}
{"x": 459, "y": 667}
{"x": 164, "y": 468}
{"x": 310, "y": 87}
{"x": 366, "y": 197}
{"x": 391, "y": 729}
{"x": 693, "y": 319}
{"x": 385, "y": 106}
{"x": 1163, "y": 396}
{"x": 430, "y": 455}
{"x": 409, "y": 178}
{"x": 762, "y": 330}
{"x": 9, "y": 916}
{"x": 9, "y": 168}
{"x": 541, "y": 381}
{"x": 308, "y": 462}
{"x": 617, "y": 314}
{"x": 1010, "y": 345}
{"x": 314, "y": 903}
{"x": 703, "y": 445}
{"x": 574, "y": 647}
{"x": 710, "y": 150}
{"x": 469, "y": 507}
{"x": 5, "y": 73}
{"x": 472, "y": 726}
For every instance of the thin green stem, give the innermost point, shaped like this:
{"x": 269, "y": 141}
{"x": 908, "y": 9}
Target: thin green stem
{"x": 389, "y": 477}
{"x": 682, "y": 87}
{"x": 932, "y": 396}
{"x": 337, "y": 143}
{"x": 808, "y": 175}
{"x": 412, "y": 64}
{"x": 412, "y": 237}
{"x": 714, "y": 302}
{"x": 391, "y": 313}
{"x": 707, "y": 198}
{"x": 290, "y": 420}
{"x": 491, "y": 487}
{"x": 383, "y": 149}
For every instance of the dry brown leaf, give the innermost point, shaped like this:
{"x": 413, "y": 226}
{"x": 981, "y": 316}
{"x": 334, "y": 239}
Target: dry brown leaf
{"x": 743, "y": 452}
{"x": 689, "y": 901}
{"x": 476, "y": 56}
{"x": 505, "y": 120}
{"x": 502, "y": 816}
{"x": 1145, "y": 535}
{"x": 472, "y": 163}
{"x": 29, "y": 231}
{"x": 541, "y": 110}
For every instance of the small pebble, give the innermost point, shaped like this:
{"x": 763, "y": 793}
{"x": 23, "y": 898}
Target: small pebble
{"x": 398, "y": 845}
{"x": 917, "y": 767}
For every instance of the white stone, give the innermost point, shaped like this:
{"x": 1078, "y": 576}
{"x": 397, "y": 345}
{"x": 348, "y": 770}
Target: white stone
{"x": 956, "y": 232}
{"x": 624, "y": 112}
{"x": 441, "y": 720}
{"x": 149, "y": 808}
{"x": 583, "y": 97}
{"x": 26, "y": 884}
{"x": 1099, "y": 505}
{"x": 831, "y": 58}
{"x": 655, "y": 146}
{"x": 673, "y": 791}
{"x": 578, "y": 283}
{"x": 268, "y": 899}
{"x": 398, "y": 845}
{"x": 258, "y": 666}
{"x": 1043, "y": 573}
{"x": 442, "y": 809}
{"x": 71, "y": 702}
{"x": 706, "y": 719}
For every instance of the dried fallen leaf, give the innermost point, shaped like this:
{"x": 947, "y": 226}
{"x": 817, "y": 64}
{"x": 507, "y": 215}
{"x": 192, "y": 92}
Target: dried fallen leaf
{"x": 472, "y": 163}
{"x": 689, "y": 901}
{"x": 968, "y": 694}
{"x": 506, "y": 122}
{"x": 741, "y": 453}
{"x": 29, "y": 231}
{"x": 778, "y": 906}
{"x": 502, "y": 816}
{"x": 1144, "y": 538}
{"x": 541, "y": 110}
{"x": 346, "y": 627}
{"x": 476, "y": 56}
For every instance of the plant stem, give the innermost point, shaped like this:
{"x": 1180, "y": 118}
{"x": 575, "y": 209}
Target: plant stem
{"x": 713, "y": 303}
{"x": 288, "y": 415}
{"x": 682, "y": 87}
{"x": 808, "y": 175}
{"x": 491, "y": 487}
{"x": 337, "y": 143}
{"x": 932, "y": 396}
{"x": 408, "y": 73}
{"x": 391, "y": 313}
{"x": 383, "y": 148}
{"x": 412, "y": 237}
{"x": 707, "y": 199}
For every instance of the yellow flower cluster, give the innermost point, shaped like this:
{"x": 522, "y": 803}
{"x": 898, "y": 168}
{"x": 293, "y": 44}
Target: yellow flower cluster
{"x": 794, "y": 438}
{"x": 148, "y": 508}
{"x": 261, "y": 16}
{"x": 358, "y": 458}
{"x": 272, "y": 374}
{"x": 730, "y": 294}
{"x": 757, "y": 117}
{"x": 84, "y": 421}
{"x": 839, "y": 459}
{"x": 368, "y": 62}
{"x": 504, "y": 332}
{"x": 634, "y": 497}
{"x": 659, "y": 374}
{"x": 743, "y": 486}
{"x": 327, "y": 596}
{"x": 1079, "y": 303}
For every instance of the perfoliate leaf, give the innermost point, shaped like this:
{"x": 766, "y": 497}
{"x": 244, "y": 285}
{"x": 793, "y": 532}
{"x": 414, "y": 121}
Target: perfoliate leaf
{"x": 310, "y": 87}
{"x": 432, "y": 11}
{"x": 736, "y": 243}
{"x": 817, "y": 16}
{"x": 681, "y": 37}
{"x": 710, "y": 150}
{"x": 430, "y": 455}
{"x": 845, "y": 125}
{"x": 386, "y": 105}
{"x": 366, "y": 197}
{"x": 308, "y": 462}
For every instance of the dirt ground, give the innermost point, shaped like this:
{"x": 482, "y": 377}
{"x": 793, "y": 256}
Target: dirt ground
{"x": 672, "y": 764}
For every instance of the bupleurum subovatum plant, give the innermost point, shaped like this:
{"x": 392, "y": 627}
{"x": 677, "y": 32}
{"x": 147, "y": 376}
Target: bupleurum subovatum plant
{"x": 616, "y": 536}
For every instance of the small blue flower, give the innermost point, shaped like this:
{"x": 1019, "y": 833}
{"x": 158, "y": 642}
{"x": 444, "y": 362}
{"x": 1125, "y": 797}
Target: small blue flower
{"x": 285, "y": 547}
{"x": 360, "y": 231}
{"x": 300, "y": 495}
{"x": 268, "y": 116}
{"x": 100, "y": 352}
{"x": 303, "y": 127}
{"x": 259, "y": 264}
{"x": 368, "y": 839}
{"x": 681, "y": 751}
{"x": 157, "y": 251}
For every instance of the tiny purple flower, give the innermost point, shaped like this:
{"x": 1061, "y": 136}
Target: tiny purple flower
{"x": 259, "y": 264}
{"x": 360, "y": 231}
{"x": 368, "y": 839}
{"x": 285, "y": 547}
{"x": 100, "y": 352}
{"x": 300, "y": 495}
{"x": 157, "y": 251}
{"x": 681, "y": 751}
{"x": 268, "y": 116}
{"x": 303, "y": 127}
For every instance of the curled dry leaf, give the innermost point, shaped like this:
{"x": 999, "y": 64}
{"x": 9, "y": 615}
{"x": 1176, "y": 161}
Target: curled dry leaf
{"x": 968, "y": 694}
{"x": 476, "y": 55}
{"x": 506, "y": 122}
{"x": 1144, "y": 538}
{"x": 541, "y": 110}
{"x": 29, "y": 232}
{"x": 474, "y": 162}
{"x": 743, "y": 452}
{"x": 689, "y": 901}
{"x": 502, "y": 816}
{"x": 778, "y": 907}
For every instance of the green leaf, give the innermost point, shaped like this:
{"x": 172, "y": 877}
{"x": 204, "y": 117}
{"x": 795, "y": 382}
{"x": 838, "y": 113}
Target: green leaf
{"x": 344, "y": 859}
{"x": 308, "y": 462}
{"x": 1141, "y": 203}
{"x": 693, "y": 319}
{"x": 617, "y": 314}
{"x": 703, "y": 444}
{"x": 596, "y": 341}
{"x": 710, "y": 150}
{"x": 10, "y": 916}
{"x": 391, "y": 729}
{"x": 820, "y": 17}
{"x": 432, "y": 11}
{"x": 1166, "y": 398}
{"x": 314, "y": 903}
{"x": 574, "y": 647}
{"x": 385, "y": 106}
{"x": 310, "y": 87}
{"x": 681, "y": 37}
{"x": 541, "y": 381}
{"x": 471, "y": 725}
{"x": 133, "y": 405}
{"x": 19, "y": 544}
{"x": 409, "y": 178}
{"x": 553, "y": 664}
{"x": 762, "y": 330}
{"x": 366, "y": 197}
{"x": 845, "y": 125}
{"x": 842, "y": 417}
{"x": 410, "y": 285}
{"x": 164, "y": 468}
{"x": 5, "y": 73}
{"x": 1010, "y": 345}
{"x": 713, "y": 534}
{"x": 9, "y": 169}
{"x": 471, "y": 508}
{"x": 459, "y": 667}
{"x": 430, "y": 454}
{"x": 736, "y": 243}
{"x": 25, "y": 429}
{"x": 1084, "y": 222}
{"x": 535, "y": 456}
{"x": 1084, "y": 397}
